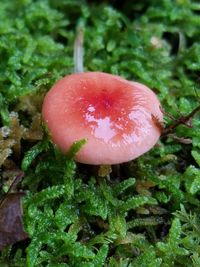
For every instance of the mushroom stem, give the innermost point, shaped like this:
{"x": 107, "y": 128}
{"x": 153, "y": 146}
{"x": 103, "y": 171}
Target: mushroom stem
{"x": 78, "y": 51}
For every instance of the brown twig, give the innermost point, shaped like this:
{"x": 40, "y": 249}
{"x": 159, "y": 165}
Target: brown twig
{"x": 181, "y": 140}
{"x": 181, "y": 120}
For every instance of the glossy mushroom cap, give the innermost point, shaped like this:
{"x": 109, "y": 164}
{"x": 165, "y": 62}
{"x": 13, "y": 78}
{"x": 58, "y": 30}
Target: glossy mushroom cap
{"x": 116, "y": 117}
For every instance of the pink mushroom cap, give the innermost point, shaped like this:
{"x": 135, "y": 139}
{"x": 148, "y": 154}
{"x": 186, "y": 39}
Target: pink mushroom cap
{"x": 115, "y": 116}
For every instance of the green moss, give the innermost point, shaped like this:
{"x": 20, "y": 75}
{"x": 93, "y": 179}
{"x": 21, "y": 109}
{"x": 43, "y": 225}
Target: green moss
{"x": 147, "y": 214}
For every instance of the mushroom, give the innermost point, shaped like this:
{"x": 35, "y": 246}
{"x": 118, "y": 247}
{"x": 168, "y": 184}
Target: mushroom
{"x": 118, "y": 118}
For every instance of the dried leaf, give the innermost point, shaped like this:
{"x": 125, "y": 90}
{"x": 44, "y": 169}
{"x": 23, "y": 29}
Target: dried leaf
{"x": 11, "y": 227}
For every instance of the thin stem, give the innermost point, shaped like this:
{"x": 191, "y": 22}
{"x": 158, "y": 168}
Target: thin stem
{"x": 78, "y": 51}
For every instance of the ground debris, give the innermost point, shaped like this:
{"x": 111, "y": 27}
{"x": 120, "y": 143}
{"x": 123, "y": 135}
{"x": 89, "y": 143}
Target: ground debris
{"x": 11, "y": 137}
{"x": 11, "y": 228}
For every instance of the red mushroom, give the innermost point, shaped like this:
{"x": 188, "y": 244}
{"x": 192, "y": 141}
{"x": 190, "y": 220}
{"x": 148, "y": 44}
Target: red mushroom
{"x": 115, "y": 116}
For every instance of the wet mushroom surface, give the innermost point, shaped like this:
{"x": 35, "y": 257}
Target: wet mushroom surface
{"x": 115, "y": 117}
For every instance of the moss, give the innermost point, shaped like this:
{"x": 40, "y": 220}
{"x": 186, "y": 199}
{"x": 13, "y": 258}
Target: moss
{"x": 147, "y": 214}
